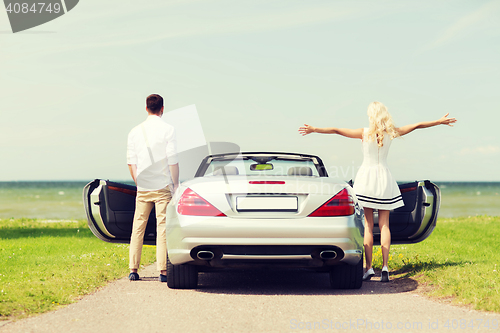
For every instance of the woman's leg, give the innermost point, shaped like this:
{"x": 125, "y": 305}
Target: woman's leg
{"x": 385, "y": 235}
{"x": 368, "y": 240}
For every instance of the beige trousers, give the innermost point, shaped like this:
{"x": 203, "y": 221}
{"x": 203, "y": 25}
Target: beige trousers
{"x": 144, "y": 203}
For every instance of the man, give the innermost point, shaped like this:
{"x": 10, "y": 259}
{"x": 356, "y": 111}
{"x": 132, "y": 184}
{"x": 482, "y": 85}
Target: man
{"x": 152, "y": 161}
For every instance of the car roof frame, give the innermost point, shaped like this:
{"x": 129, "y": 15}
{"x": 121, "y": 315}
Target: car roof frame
{"x": 285, "y": 156}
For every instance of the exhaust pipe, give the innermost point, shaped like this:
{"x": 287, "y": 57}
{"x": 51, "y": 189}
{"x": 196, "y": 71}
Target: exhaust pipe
{"x": 328, "y": 254}
{"x": 205, "y": 255}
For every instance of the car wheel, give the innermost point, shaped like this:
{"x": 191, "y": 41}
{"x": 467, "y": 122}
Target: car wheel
{"x": 347, "y": 276}
{"x": 181, "y": 276}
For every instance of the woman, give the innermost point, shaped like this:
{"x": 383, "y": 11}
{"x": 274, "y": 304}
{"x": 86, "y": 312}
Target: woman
{"x": 374, "y": 185}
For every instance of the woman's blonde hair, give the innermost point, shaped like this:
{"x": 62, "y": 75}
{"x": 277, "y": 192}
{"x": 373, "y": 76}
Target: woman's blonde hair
{"x": 380, "y": 124}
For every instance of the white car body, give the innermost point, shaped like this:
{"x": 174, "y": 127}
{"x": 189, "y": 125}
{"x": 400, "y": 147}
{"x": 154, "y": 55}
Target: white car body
{"x": 258, "y": 228}
{"x": 248, "y": 210}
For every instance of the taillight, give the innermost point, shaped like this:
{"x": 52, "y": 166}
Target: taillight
{"x": 340, "y": 205}
{"x": 191, "y": 203}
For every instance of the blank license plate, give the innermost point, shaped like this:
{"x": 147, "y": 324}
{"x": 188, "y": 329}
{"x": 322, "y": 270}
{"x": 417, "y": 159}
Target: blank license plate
{"x": 267, "y": 204}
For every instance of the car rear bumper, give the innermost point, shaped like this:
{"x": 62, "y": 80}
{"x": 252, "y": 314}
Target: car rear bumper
{"x": 292, "y": 242}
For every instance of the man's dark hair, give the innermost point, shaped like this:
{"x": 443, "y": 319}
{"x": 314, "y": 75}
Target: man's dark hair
{"x": 154, "y": 103}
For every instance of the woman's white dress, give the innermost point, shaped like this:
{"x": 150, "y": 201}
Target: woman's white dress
{"x": 374, "y": 185}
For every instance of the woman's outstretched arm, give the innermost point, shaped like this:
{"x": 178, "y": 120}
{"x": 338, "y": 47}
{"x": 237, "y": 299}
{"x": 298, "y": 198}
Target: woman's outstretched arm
{"x": 347, "y": 132}
{"x": 442, "y": 121}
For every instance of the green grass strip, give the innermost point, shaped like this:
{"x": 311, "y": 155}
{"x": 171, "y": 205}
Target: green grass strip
{"x": 45, "y": 265}
{"x": 459, "y": 261}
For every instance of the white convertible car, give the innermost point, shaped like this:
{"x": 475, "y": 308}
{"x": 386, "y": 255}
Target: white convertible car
{"x": 251, "y": 210}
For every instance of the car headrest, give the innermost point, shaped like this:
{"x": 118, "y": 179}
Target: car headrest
{"x": 300, "y": 171}
{"x": 228, "y": 170}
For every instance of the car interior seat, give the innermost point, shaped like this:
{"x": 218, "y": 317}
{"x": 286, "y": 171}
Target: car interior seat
{"x": 300, "y": 171}
{"x": 227, "y": 170}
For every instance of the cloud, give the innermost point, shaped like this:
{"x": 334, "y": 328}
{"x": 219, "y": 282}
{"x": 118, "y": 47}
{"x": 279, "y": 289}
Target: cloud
{"x": 483, "y": 150}
{"x": 465, "y": 23}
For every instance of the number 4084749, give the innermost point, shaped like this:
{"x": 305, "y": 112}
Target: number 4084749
{"x": 471, "y": 324}
{"x": 36, "y": 8}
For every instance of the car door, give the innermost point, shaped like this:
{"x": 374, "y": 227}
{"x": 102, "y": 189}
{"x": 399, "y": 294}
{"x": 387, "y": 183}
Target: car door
{"x": 110, "y": 210}
{"x": 416, "y": 220}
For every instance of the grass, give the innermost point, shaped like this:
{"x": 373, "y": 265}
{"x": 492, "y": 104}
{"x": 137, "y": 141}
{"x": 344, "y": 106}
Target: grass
{"x": 45, "y": 265}
{"x": 460, "y": 261}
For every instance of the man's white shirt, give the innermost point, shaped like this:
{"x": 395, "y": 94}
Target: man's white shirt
{"x": 152, "y": 147}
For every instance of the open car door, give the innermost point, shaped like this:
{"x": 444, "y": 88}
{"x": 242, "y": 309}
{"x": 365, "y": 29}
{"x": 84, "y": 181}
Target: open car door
{"x": 110, "y": 211}
{"x": 416, "y": 220}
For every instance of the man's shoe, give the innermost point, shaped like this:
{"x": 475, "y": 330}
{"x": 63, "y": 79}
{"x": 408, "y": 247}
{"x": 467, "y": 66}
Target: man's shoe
{"x": 368, "y": 274}
{"x": 133, "y": 276}
{"x": 162, "y": 278}
{"x": 385, "y": 274}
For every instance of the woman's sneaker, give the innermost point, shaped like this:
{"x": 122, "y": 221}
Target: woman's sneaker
{"x": 385, "y": 274}
{"x": 133, "y": 276}
{"x": 368, "y": 274}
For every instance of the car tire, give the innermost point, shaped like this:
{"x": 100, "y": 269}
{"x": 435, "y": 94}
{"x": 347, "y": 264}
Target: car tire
{"x": 181, "y": 276}
{"x": 347, "y": 276}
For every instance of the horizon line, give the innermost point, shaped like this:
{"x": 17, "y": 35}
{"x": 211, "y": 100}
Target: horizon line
{"x": 130, "y": 181}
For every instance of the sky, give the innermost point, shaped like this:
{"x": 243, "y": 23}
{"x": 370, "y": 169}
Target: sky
{"x": 72, "y": 89}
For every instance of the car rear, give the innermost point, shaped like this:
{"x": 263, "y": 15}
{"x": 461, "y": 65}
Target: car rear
{"x": 311, "y": 222}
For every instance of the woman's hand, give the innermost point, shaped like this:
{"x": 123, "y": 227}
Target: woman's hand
{"x": 306, "y": 129}
{"x": 447, "y": 121}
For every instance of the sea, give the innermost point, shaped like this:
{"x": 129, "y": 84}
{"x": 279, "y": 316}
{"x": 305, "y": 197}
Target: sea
{"x": 63, "y": 200}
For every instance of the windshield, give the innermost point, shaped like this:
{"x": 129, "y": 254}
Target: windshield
{"x": 262, "y": 166}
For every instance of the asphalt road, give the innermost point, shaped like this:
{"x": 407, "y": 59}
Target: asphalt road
{"x": 261, "y": 301}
